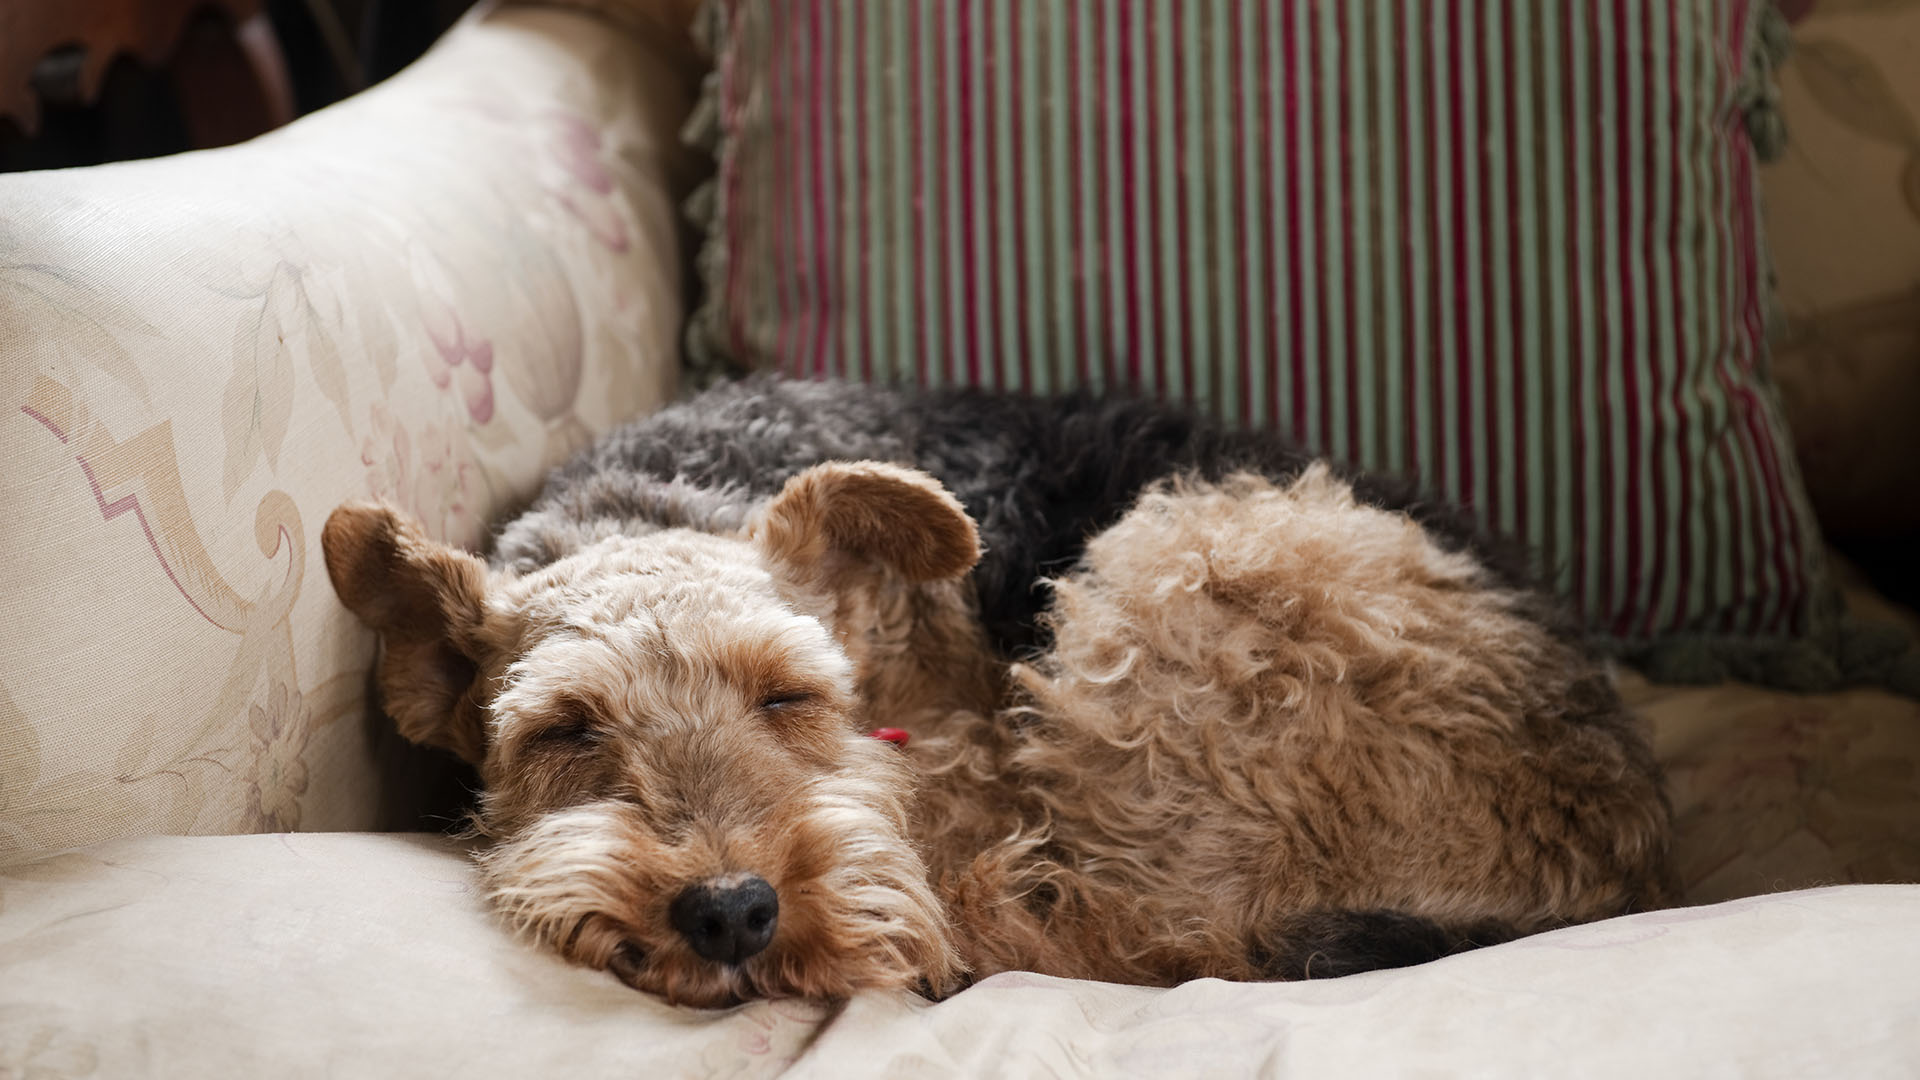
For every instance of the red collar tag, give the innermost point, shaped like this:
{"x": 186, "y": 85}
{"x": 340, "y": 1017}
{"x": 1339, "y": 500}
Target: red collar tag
{"x": 890, "y": 734}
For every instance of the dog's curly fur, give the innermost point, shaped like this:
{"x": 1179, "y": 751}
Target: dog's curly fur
{"x": 1184, "y": 701}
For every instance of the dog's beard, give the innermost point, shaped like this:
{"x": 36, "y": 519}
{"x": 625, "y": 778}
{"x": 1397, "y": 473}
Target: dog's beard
{"x": 593, "y": 882}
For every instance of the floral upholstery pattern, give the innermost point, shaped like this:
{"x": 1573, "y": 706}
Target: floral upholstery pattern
{"x": 430, "y": 294}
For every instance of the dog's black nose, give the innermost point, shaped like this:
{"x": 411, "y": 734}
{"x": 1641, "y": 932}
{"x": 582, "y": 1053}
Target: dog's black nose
{"x": 726, "y": 923}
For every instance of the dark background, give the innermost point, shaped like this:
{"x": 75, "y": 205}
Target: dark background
{"x": 332, "y": 48}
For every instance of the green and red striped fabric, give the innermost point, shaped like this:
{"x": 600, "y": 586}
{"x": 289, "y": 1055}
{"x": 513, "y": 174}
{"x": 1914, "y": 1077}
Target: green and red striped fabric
{"x": 1511, "y": 245}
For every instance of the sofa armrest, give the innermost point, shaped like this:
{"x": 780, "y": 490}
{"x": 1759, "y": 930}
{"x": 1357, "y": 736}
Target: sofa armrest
{"x": 430, "y": 293}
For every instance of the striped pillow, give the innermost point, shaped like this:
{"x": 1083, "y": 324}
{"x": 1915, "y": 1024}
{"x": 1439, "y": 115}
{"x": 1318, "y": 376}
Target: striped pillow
{"x": 1509, "y": 245}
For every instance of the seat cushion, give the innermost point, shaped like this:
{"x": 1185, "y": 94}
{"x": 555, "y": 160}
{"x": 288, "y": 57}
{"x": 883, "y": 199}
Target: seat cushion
{"x": 370, "y": 955}
{"x": 352, "y": 954}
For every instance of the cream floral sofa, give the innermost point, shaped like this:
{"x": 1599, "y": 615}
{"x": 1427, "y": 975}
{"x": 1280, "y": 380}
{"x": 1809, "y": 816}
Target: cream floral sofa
{"x": 215, "y": 862}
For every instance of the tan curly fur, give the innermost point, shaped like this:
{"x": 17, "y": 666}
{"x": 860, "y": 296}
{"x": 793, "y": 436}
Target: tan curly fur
{"x": 1260, "y": 701}
{"x": 1327, "y": 711}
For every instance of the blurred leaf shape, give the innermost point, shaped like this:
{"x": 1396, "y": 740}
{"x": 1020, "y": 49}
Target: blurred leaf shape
{"x": 1850, "y": 86}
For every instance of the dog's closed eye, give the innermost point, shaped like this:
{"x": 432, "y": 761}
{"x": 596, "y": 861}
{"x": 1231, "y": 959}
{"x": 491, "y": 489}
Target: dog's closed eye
{"x": 802, "y": 717}
{"x": 785, "y": 699}
{"x": 575, "y": 730}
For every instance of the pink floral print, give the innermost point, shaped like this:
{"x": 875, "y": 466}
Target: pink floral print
{"x": 458, "y": 356}
{"x": 450, "y": 494}
{"x": 574, "y": 171}
{"x": 443, "y": 485}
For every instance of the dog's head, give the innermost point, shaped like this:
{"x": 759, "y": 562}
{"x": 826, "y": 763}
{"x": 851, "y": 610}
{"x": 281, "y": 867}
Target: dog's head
{"x": 679, "y": 786}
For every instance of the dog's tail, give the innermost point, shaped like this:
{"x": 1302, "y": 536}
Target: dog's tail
{"x": 1329, "y": 944}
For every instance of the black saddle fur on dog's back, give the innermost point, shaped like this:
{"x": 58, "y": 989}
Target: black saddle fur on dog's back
{"x": 1333, "y": 944}
{"x": 1040, "y": 475}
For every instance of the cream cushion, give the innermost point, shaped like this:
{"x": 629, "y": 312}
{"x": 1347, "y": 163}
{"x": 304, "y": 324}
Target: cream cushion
{"x": 372, "y": 956}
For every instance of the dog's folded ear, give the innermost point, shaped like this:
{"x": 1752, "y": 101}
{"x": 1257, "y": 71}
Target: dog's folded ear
{"x": 428, "y": 602}
{"x": 874, "y": 513}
